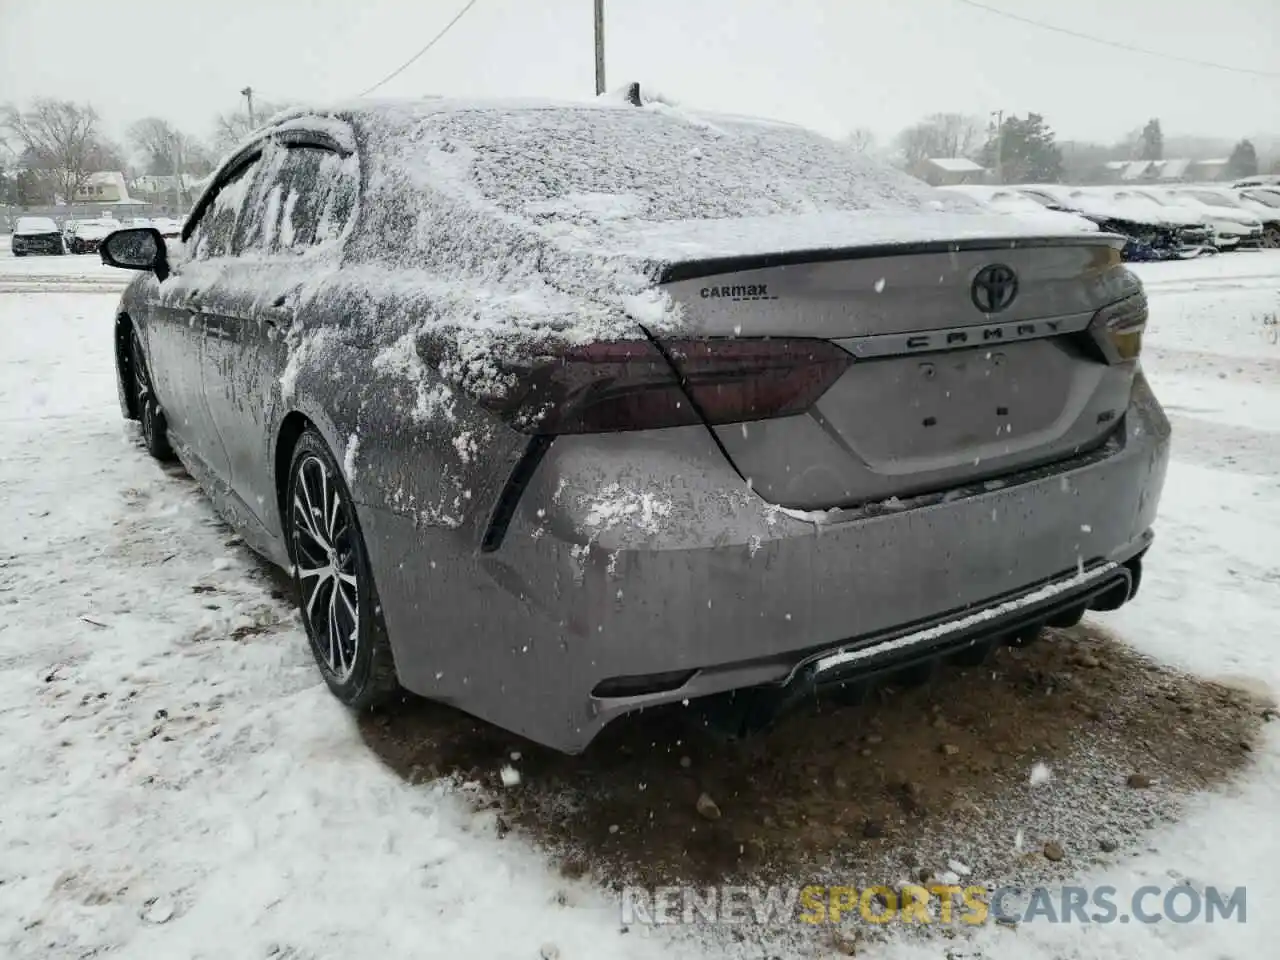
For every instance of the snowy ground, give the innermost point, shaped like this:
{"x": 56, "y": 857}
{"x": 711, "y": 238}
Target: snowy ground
{"x": 177, "y": 783}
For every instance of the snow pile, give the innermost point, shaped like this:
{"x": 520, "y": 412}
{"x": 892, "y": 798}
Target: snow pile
{"x": 1040, "y": 774}
{"x": 349, "y": 458}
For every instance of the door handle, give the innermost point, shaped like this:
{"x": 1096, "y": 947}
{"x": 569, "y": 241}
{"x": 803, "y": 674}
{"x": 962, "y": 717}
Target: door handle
{"x": 217, "y": 331}
{"x": 280, "y": 313}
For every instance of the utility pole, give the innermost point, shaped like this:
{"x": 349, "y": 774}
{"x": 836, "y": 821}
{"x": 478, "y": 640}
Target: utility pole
{"x": 599, "y": 47}
{"x": 177, "y": 178}
{"x": 999, "y": 116}
{"x": 247, "y": 93}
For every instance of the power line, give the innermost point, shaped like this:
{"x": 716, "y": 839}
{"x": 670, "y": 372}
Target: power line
{"x": 1116, "y": 44}
{"x": 431, "y": 43}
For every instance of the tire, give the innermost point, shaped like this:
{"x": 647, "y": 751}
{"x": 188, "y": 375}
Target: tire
{"x": 1271, "y": 239}
{"x": 155, "y": 430}
{"x": 331, "y": 570}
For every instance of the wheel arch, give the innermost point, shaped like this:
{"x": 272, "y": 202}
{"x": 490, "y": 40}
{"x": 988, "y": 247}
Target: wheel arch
{"x": 124, "y": 366}
{"x": 292, "y": 427}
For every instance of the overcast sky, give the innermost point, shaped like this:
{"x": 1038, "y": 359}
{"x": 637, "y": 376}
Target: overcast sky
{"x": 830, "y": 64}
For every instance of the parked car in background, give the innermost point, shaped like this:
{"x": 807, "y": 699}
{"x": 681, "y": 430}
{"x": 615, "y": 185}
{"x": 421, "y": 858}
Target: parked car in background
{"x": 1192, "y": 226}
{"x": 1269, "y": 198}
{"x": 168, "y": 226}
{"x": 1232, "y": 224}
{"x": 87, "y": 235}
{"x": 1010, "y": 201}
{"x": 1263, "y": 180}
{"x": 1053, "y": 196}
{"x": 1240, "y": 202}
{"x": 551, "y": 437}
{"x": 1173, "y": 206}
{"x": 139, "y": 222}
{"x": 1153, "y": 233}
{"x": 36, "y": 235}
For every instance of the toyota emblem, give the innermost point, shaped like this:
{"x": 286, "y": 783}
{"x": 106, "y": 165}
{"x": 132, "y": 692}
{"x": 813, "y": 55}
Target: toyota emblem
{"x": 994, "y": 288}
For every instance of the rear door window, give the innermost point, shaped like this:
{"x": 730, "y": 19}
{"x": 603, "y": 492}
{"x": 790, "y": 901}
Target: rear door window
{"x": 304, "y": 201}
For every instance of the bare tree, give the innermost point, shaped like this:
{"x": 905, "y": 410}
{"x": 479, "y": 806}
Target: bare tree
{"x": 940, "y": 135}
{"x": 230, "y": 128}
{"x": 861, "y": 140}
{"x": 164, "y": 148}
{"x": 62, "y": 139}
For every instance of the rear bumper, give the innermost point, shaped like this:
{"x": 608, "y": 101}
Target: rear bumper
{"x": 625, "y": 561}
{"x": 1105, "y": 586}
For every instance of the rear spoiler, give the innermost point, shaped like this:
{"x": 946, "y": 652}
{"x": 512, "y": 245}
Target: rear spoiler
{"x": 693, "y": 269}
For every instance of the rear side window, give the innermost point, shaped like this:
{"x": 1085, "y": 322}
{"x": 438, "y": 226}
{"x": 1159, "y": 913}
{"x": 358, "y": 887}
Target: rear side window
{"x": 304, "y": 201}
{"x": 214, "y": 233}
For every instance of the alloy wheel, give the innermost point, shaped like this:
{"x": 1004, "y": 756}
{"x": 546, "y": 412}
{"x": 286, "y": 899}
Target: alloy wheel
{"x": 324, "y": 555}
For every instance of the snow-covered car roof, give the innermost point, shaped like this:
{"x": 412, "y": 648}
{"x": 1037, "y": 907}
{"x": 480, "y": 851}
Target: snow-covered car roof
{"x": 654, "y": 183}
{"x": 1016, "y": 203}
{"x": 1125, "y": 203}
{"x": 27, "y": 225}
{"x": 96, "y": 229}
{"x": 513, "y": 225}
{"x": 1266, "y": 196}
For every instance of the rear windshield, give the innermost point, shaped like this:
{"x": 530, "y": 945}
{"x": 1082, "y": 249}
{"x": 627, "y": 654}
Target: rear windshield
{"x": 1211, "y": 198}
{"x": 35, "y": 225}
{"x": 601, "y": 164}
{"x": 1270, "y": 198}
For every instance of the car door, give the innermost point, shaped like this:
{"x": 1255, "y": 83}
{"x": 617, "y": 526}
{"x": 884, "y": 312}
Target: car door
{"x": 177, "y": 345}
{"x": 296, "y": 213}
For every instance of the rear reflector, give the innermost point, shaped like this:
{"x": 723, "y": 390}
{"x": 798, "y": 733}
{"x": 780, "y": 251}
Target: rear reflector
{"x": 641, "y": 685}
{"x": 631, "y": 385}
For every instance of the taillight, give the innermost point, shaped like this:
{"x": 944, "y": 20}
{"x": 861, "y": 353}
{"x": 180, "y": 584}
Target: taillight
{"x": 737, "y": 380}
{"x": 1117, "y": 328}
{"x": 630, "y": 385}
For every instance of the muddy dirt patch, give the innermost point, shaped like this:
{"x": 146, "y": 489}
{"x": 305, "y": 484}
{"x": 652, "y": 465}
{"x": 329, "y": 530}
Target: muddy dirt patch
{"x": 893, "y": 783}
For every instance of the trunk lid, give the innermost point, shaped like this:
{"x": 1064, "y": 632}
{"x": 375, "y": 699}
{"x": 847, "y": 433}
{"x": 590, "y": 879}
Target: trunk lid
{"x": 940, "y": 392}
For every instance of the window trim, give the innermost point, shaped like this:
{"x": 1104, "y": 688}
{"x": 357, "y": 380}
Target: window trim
{"x": 233, "y": 169}
{"x": 252, "y": 152}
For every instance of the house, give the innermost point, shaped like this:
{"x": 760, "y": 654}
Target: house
{"x": 1174, "y": 170}
{"x": 1137, "y": 170}
{"x": 1177, "y": 170}
{"x": 164, "y": 186}
{"x": 106, "y": 186}
{"x": 949, "y": 171}
{"x": 1210, "y": 169}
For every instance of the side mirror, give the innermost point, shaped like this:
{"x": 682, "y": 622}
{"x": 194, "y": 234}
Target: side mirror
{"x": 136, "y": 248}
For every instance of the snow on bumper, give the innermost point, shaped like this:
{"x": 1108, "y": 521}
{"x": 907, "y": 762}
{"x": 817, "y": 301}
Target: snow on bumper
{"x": 629, "y": 559}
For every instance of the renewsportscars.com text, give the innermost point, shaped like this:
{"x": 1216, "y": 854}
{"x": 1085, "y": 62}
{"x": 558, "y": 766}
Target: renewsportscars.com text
{"x": 931, "y": 904}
